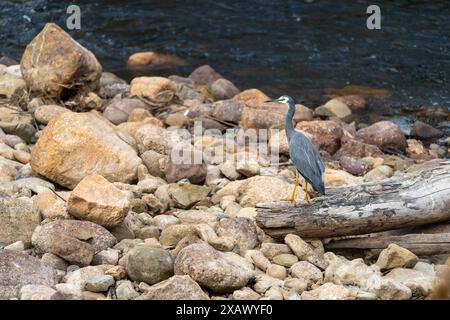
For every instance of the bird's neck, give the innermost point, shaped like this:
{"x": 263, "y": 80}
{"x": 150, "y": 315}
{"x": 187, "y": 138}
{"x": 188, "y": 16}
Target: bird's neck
{"x": 289, "y": 126}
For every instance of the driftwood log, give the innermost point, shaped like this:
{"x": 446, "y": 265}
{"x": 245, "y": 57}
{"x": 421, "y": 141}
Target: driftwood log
{"x": 419, "y": 197}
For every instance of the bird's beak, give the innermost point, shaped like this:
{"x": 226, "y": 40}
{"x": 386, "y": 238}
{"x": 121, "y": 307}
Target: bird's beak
{"x": 268, "y": 101}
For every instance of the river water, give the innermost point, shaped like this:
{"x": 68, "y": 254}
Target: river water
{"x": 290, "y": 47}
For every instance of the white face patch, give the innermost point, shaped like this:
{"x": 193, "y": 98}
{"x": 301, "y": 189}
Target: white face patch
{"x": 283, "y": 99}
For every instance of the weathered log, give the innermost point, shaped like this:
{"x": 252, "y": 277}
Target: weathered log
{"x": 420, "y": 244}
{"x": 419, "y": 197}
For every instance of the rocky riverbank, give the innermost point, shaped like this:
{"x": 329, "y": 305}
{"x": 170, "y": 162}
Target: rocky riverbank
{"x": 94, "y": 204}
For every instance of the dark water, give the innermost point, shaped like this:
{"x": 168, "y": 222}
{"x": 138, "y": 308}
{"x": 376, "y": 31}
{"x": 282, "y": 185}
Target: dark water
{"x": 280, "y": 46}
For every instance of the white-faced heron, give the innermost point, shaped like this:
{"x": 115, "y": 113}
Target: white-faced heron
{"x": 304, "y": 155}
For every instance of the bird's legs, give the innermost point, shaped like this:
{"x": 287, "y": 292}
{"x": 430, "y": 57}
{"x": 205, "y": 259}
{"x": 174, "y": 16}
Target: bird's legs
{"x": 292, "y": 197}
{"x": 306, "y": 195}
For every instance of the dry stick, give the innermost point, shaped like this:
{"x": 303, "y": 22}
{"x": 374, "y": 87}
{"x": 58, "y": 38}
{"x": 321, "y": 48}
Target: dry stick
{"x": 417, "y": 198}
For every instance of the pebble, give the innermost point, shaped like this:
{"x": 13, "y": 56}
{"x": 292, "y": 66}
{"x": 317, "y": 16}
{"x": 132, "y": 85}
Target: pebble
{"x": 99, "y": 283}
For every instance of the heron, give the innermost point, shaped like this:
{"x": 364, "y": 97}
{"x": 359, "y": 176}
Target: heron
{"x": 304, "y": 154}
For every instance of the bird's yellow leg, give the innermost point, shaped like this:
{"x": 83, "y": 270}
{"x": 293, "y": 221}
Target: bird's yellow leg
{"x": 292, "y": 197}
{"x": 305, "y": 192}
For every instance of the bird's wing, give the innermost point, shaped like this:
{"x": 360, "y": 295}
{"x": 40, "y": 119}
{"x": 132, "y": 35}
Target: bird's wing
{"x": 306, "y": 157}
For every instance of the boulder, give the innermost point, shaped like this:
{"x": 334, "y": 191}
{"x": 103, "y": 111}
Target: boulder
{"x": 194, "y": 172}
{"x": 217, "y": 271}
{"x": 357, "y": 149}
{"x": 19, "y": 218}
{"x": 97, "y": 200}
{"x": 150, "y": 265}
{"x": 334, "y": 108}
{"x": 156, "y": 89}
{"x": 74, "y": 241}
{"x": 74, "y": 145}
{"x": 222, "y": 89}
{"x": 204, "y": 75}
{"x": 384, "y": 134}
{"x": 395, "y": 256}
{"x": 242, "y": 230}
{"x": 39, "y": 292}
{"x": 326, "y": 135}
{"x": 356, "y": 167}
{"x": 175, "y": 288}
{"x": 119, "y": 109}
{"x": 228, "y": 110}
{"x": 16, "y": 122}
{"x": 18, "y": 269}
{"x": 53, "y": 64}
{"x": 424, "y": 131}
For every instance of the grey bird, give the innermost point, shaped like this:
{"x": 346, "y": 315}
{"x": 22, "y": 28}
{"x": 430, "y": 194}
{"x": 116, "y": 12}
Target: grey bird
{"x": 304, "y": 155}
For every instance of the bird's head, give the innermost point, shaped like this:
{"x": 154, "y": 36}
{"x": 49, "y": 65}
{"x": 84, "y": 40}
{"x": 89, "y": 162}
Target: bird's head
{"x": 284, "y": 99}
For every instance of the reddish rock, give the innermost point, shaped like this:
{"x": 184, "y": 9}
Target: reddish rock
{"x": 384, "y": 134}
{"x": 195, "y": 173}
{"x": 354, "y": 166}
{"x": 326, "y": 135}
{"x": 354, "y": 102}
{"x": 424, "y": 131}
{"x": 357, "y": 149}
{"x": 154, "y": 60}
{"x": 228, "y": 110}
{"x": 204, "y": 75}
{"x": 223, "y": 89}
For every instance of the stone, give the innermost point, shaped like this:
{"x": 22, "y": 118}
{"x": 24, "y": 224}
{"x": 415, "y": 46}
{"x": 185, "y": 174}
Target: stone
{"x": 334, "y": 108}
{"x": 222, "y": 89}
{"x": 242, "y": 230}
{"x": 246, "y": 293}
{"x": 155, "y": 162}
{"x": 228, "y": 110}
{"x": 22, "y": 156}
{"x": 16, "y": 246}
{"x": 152, "y": 59}
{"x": 353, "y": 166}
{"x": 74, "y": 145}
{"x": 99, "y": 283}
{"x": 327, "y": 291}
{"x": 357, "y": 149}
{"x": 307, "y": 272}
{"x": 248, "y": 168}
{"x": 276, "y": 271}
{"x": 74, "y": 241}
{"x": 125, "y": 290}
{"x": 228, "y": 169}
{"x": 175, "y": 288}
{"x": 185, "y": 195}
{"x": 54, "y": 261}
{"x": 11, "y": 85}
{"x": 204, "y": 75}
{"x": 388, "y": 289}
{"x": 171, "y": 235}
{"x": 156, "y": 89}
{"x": 298, "y": 285}
{"x": 334, "y": 178}
{"x": 354, "y": 102}
{"x": 109, "y": 78}
{"x": 420, "y": 283}
{"x": 108, "y": 256}
{"x": 285, "y": 259}
{"x": 18, "y": 269}
{"x": 212, "y": 269}
{"x": 51, "y": 206}
{"x": 16, "y": 122}
{"x": 298, "y": 246}
{"x": 252, "y": 98}
{"x": 260, "y": 260}
{"x": 270, "y": 250}
{"x": 39, "y": 292}
{"x": 395, "y": 256}
{"x": 194, "y": 172}
{"x": 117, "y": 272}
{"x": 354, "y": 273}
{"x": 150, "y": 265}
{"x": 97, "y": 200}
{"x": 424, "y": 131}
{"x": 19, "y": 219}
{"x": 326, "y": 135}
{"x": 379, "y": 173}
{"x": 265, "y": 282}
{"x": 118, "y": 110}
{"x": 384, "y": 134}
{"x": 53, "y": 61}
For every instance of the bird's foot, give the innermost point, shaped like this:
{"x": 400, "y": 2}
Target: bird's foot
{"x": 291, "y": 200}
